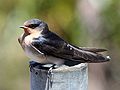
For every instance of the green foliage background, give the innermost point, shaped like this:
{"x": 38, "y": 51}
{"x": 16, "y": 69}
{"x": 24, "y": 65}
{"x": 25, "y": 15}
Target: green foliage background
{"x": 59, "y": 14}
{"x": 62, "y": 17}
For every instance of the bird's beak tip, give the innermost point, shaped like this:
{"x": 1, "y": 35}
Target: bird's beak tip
{"x": 22, "y": 27}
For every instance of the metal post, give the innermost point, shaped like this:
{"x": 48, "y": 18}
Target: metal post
{"x": 63, "y": 78}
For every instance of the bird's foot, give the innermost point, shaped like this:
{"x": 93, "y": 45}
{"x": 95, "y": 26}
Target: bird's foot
{"x": 33, "y": 64}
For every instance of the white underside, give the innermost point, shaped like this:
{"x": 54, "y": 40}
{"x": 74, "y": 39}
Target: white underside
{"x": 37, "y": 56}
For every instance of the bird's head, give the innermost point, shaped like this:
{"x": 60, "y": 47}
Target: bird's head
{"x": 34, "y": 25}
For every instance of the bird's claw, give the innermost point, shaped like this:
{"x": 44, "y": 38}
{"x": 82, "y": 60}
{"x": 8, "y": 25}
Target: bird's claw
{"x": 33, "y": 64}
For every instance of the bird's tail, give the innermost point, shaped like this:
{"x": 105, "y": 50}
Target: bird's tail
{"x": 90, "y": 55}
{"x": 92, "y": 49}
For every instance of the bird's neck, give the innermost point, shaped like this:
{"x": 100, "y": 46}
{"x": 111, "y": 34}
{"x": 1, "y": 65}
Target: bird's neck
{"x": 45, "y": 31}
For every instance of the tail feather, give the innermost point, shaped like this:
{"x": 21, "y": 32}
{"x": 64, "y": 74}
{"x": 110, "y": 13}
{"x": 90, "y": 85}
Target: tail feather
{"x": 92, "y": 49}
{"x": 89, "y": 55}
{"x": 108, "y": 58}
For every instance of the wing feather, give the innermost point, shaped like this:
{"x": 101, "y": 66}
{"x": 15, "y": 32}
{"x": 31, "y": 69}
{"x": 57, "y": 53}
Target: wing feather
{"x": 59, "y": 48}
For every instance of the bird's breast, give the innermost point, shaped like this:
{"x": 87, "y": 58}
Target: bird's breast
{"x": 28, "y": 40}
{"x": 32, "y": 52}
{"x": 35, "y": 55}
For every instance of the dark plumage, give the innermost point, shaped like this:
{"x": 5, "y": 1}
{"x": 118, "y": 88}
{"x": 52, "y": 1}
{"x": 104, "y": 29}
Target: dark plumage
{"x": 50, "y": 44}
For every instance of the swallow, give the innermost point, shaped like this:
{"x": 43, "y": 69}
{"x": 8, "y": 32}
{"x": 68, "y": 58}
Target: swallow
{"x": 46, "y": 47}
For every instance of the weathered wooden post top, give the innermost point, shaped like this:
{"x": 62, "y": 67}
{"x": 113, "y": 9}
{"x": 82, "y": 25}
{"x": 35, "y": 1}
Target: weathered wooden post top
{"x": 62, "y": 78}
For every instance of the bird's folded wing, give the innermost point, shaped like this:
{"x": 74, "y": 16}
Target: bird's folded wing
{"x": 69, "y": 52}
{"x": 36, "y": 49}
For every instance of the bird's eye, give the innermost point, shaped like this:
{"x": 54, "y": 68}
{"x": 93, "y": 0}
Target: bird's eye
{"x": 33, "y": 26}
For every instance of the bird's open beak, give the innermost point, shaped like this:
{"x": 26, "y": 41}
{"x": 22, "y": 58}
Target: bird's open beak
{"x": 24, "y": 27}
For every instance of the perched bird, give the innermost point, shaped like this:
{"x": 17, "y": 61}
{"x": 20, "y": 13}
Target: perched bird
{"x": 40, "y": 44}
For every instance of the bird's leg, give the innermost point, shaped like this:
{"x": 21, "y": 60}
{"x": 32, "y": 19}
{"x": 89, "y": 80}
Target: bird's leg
{"x": 50, "y": 73}
{"x": 37, "y": 65}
